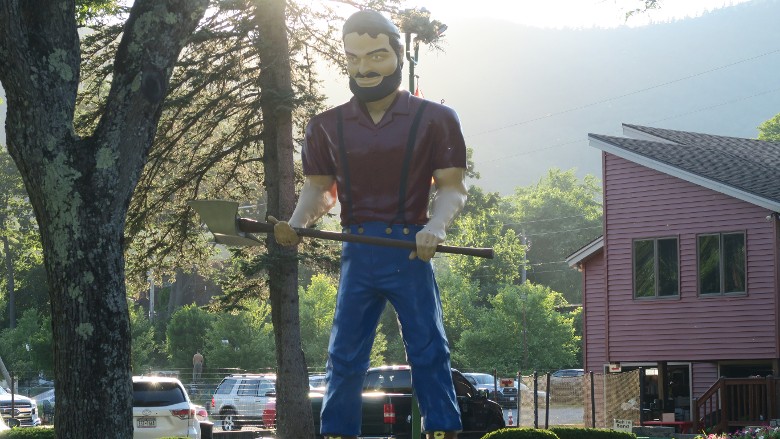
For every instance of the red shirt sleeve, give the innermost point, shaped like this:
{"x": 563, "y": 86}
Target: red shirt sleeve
{"x": 318, "y": 149}
{"x": 449, "y": 145}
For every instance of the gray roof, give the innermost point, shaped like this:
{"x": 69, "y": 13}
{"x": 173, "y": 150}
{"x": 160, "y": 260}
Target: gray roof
{"x": 585, "y": 252}
{"x": 747, "y": 169}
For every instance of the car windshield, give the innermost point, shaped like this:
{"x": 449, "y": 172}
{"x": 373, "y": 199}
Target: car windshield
{"x": 317, "y": 381}
{"x": 390, "y": 380}
{"x": 226, "y": 386}
{"x": 482, "y": 378}
{"x": 156, "y": 394}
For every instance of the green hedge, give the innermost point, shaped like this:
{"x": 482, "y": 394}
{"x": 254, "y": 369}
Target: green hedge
{"x": 28, "y": 433}
{"x": 520, "y": 433}
{"x": 590, "y": 433}
{"x": 38, "y": 433}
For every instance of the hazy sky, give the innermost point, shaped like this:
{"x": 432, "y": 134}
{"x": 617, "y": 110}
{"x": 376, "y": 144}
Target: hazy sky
{"x": 568, "y": 13}
{"x": 528, "y": 97}
{"x": 528, "y": 94}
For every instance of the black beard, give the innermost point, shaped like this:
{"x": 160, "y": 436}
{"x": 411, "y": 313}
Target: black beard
{"x": 388, "y": 85}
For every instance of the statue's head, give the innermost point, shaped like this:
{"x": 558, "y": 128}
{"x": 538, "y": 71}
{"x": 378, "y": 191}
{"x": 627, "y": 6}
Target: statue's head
{"x": 372, "y": 45}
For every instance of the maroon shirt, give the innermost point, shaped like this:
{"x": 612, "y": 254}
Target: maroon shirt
{"x": 375, "y": 155}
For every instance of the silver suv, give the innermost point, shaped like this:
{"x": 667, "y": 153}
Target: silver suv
{"x": 240, "y": 399}
{"x": 21, "y": 411}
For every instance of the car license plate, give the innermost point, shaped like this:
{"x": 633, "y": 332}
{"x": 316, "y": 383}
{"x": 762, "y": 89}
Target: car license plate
{"x": 511, "y": 398}
{"x": 146, "y": 423}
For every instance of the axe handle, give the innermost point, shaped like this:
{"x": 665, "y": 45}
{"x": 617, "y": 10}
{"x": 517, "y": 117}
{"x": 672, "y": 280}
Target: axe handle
{"x": 252, "y": 226}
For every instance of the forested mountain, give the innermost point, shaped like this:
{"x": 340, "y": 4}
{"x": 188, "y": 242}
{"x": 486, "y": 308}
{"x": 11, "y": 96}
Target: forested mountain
{"x": 527, "y": 97}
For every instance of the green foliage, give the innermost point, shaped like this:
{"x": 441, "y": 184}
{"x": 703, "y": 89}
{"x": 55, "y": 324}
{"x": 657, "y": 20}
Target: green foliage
{"x": 459, "y": 296}
{"x": 32, "y": 290}
{"x": 558, "y": 215}
{"x": 418, "y": 22}
{"x": 143, "y": 346}
{"x": 29, "y": 433}
{"x": 317, "y": 306}
{"x": 770, "y": 129}
{"x": 19, "y": 231}
{"x": 576, "y": 315}
{"x": 519, "y": 330}
{"x": 88, "y": 11}
{"x": 590, "y": 433}
{"x": 186, "y": 333}
{"x": 249, "y": 335}
{"x": 209, "y": 140}
{"x": 393, "y": 350}
{"x": 477, "y": 226}
{"x": 520, "y": 433}
{"x": 379, "y": 348}
{"x": 32, "y": 331}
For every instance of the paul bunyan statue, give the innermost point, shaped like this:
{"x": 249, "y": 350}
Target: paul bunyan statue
{"x": 381, "y": 153}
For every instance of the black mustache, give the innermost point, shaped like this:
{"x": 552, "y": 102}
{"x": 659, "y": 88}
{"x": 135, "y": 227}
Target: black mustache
{"x": 367, "y": 75}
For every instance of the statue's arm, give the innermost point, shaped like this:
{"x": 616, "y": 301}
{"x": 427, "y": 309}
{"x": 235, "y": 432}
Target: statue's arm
{"x": 448, "y": 200}
{"x": 317, "y": 197}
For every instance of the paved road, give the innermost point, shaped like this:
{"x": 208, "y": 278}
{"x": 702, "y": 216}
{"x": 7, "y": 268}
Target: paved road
{"x": 558, "y": 416}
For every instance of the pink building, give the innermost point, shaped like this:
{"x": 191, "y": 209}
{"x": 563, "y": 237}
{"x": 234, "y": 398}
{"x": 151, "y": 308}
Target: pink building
{"x": 684, "y": 280}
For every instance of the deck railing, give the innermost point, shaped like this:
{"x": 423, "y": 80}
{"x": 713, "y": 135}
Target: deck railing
{"x": 733, "y": 403}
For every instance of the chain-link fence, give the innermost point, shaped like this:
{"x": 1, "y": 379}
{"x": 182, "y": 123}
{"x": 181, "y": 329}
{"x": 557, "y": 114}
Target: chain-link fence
{"x": 541, "y": 400}
{"x": 545, "y": 400}
{"x": 39, "y": 385}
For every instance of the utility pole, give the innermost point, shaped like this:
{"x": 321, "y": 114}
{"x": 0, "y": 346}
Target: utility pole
{"x": 418, "y": 22}
{"x": 523, "y": 274}
{"x": 412, "y": 59}
{"x": 151, "y": 296}
{"x": 9, "y": 267}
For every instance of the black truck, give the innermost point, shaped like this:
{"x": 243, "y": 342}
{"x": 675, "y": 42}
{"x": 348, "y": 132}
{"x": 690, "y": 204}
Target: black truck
{"x": 387, "y": 405}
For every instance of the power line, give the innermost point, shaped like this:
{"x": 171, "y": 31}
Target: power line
{"x": 569, "y": 110}
{"x": 544, "y": 220}
{"x": 546, "y": 263}
{"x": 709, "y": 107}
{"x": 565, "y": 231}
{"x": 761, "y": 93}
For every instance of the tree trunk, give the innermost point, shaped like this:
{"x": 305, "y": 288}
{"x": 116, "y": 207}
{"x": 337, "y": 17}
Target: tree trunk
{"x": 292, "y": 403}
{"x": 80, "y": 188}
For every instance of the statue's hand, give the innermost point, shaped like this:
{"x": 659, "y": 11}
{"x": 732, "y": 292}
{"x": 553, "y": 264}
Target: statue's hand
{"x": 427, "y": 240}
{"x": 284, "y": 233}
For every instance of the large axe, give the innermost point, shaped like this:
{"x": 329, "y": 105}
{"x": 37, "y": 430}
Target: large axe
{"x": 221, "y": 217}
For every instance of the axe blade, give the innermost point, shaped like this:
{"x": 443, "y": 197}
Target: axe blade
{"x": 220, "y": 218}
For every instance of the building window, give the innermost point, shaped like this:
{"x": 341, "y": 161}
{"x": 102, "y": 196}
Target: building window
{"x": 722, "y": 263}
{"x": 656, "y": 268}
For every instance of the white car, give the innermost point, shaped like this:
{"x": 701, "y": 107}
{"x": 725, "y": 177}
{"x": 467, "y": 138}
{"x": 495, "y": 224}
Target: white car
{"x": 317, "y": 383}
{"x": 22, "y": 409}
{"x": 240, "y": 399}
{"x": 162, "y": 407}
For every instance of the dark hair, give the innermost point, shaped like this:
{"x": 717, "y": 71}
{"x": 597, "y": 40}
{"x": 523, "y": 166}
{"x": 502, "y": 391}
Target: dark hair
{"x": 373, "y": 23}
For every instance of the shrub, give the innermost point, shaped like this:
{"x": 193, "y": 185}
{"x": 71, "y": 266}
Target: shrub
{"x": 39, "y": 433}
{"x": 590, "y": 433}
{"x": 747, "y": 433}
{"x": 28, "y": 433}
{"x": 520, "y": 433}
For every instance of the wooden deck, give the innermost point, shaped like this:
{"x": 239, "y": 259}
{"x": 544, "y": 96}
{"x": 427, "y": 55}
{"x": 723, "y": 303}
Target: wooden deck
{"x": 734, "y": 403}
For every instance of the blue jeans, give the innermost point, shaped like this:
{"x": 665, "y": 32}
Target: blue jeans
{"x": 370, "y": 277}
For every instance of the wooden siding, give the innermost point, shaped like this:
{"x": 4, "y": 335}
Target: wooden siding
{"x": 642, "y": 203}
{"x": 703, "y": 376}
{"x": 594, "y": 315}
